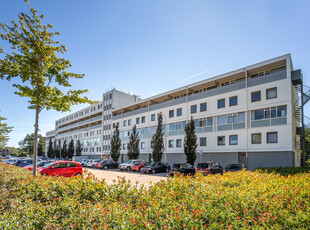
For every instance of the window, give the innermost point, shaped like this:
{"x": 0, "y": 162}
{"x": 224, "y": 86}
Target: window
{"x": 204, "y": 122}
{"x": 268, "y": 113}
{"x": 153, "y": 117}
{"x": 256, "y": 138}
{"x": 138, "y": 120}
{"x": 124, "y": 146}
{"x": 203, "y": 141}
{"x": 179, "y": 112}
{"x": 179, "y": 143}
{"x": 143, "y": 119}
{"x": 272, "y": 137}
{"x": 171, "y": 113}
{"x": 221, "y": 140}
{"x": 233, "y": 101}
{"x": 203, "y": 107}
{"x": 129, "y": 122}
{"x": 231, "y": 118}
{"x": 125, "y": 123}
{"x": 255, "y": 96}
{"x": 221, "y": 103}
{"x": 171, "y": 144}
{"x": 194, "y": 109}
{"x": 271, "y": 93}
{"x": 142, "y": 145}
{"x": 233, "y": 139}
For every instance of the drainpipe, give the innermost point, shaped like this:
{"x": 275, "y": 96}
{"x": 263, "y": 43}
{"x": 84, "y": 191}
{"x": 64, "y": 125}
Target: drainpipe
{"x": 246, "y": 116}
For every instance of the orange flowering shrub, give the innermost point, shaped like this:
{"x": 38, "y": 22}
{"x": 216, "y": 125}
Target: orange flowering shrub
{"x": 243, "y": 200}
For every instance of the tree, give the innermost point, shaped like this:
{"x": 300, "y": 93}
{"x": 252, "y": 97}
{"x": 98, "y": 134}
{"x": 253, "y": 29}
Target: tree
{"x": 133, "y": 151}
{"x": 33, "y": 59}
{"x": 50, "y": 150}
{"x": 71, "y": 149}
{"x": 78, "y": 148}
{"x": 116, "y": 144}
{"x": 157, "y": 142}
{"x": 190, "y": 142}
{"x": 56, "y": 150}
{"x": 4, "y": 131}
{"x": 64, "y": 150}
{"x": 27, "y": 144}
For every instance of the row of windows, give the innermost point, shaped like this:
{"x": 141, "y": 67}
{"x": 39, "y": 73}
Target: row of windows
{"x": 270, "y": 94}
{"x": 267, "y": 113}
{"x": 232, "y": 102}
{"x": 107, "y": 117}
{"x": 272, "y": 137}
{"x": 107, "y": 96}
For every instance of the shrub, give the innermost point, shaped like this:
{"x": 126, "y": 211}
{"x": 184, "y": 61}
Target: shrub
{"x": 243, "y": 200}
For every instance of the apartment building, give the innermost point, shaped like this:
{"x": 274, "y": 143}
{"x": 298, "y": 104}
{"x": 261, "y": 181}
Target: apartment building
{"x": 91, "y": 125}
{"x": 244, "y": 116}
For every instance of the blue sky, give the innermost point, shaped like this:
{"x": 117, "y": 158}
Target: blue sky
{"x": 148, "y": 47}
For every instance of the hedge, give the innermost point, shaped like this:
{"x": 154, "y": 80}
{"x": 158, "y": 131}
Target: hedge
{"x": 243, "y": 200}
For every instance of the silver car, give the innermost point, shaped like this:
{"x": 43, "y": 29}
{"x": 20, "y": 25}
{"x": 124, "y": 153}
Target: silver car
{"x": 127, "y": 166}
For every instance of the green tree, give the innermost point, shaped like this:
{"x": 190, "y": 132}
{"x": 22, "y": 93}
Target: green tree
{"x": 33, "y": 59}
{"x": 133, "y": 151}
{"x": 157, "y": 142}
{"x": 64, "y": 150}
{"x": 50, "y": 150}
{"x": 78, "y": 148}
{"x": 4, "y": 131}
{"x": 71, "y": 149}
{"x": 190, "y": 142}
{"x": 27, "y": 144}
{"x": 116, "y": 144}
{"x": 56, "y": 150}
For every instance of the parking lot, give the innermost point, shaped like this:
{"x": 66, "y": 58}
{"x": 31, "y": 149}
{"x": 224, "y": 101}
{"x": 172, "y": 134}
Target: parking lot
{"x": 111, "y": 175}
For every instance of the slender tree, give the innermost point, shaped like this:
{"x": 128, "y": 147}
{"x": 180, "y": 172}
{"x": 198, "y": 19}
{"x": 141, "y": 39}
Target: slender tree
{"x": 133, "y": 151}
{"x": 78, "y": 148}
{"x": 56, "y": 150}
{"x": 116, "y": 144}
{"x": 190, "y": 142}
{"x": 64, "y": 150}
{"x": 4, "y": 131}
{"x": 60, "y": 154}
{"x": 33, "y": 59}
{"x": 50, "y": 150}
{"x": 157, "y": 142}
{"x": 71, "y": 149}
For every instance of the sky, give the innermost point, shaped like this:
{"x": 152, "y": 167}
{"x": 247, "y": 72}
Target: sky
{"x": 147, "y": 47}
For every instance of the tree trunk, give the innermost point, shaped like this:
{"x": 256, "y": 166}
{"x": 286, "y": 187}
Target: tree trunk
{"x": 35, "y": 143}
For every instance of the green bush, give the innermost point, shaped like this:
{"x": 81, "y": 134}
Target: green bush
{"x": 284, "y": 171}
{"x": 243, "y": 200}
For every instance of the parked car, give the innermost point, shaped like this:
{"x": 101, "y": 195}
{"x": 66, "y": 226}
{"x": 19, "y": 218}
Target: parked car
{"x": 62, "y": 168}
{"x": 127, "y": 166}
{"x": 23, "y": 162}
{"x": 155, "y": 167}
{"x": 107, "y": 164}
{"x": 209, "y": 167}
{"x": 39, "y": 164}
{"x": 83, "y": 162}
{"x": 94, "y": 162}
{"x": 89, "y": 163}
{"x": 182, "y": 168}
{"x": 136, "y": 167}
{"x": 234, "y": 167}
{"x": 11, "y": 161}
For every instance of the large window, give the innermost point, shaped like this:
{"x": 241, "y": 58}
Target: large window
{"x": 177, "y": 126}
{"x": 194, "y": 109}
{"x": 255, "y": 96}
{"x": 203, "y": 107}
{"x": 233, "y": 101}
{"x": 179, "y": 112}
{"x": 256, "y": 138}
{"x": 272, "y": 137}
{"x": 203, "y": 141}
{"x": 204, "y": 122}
{"x": 268, "y": 113}
{"x": 271, "y": 93}
{"x": 171, "y": 113}
{"x": 233, "y": 139}
{"x": 153, "y": 117}
{"x": 231, "y": 118}
{"x": 179, "y": 143}
{"x": 221, "y": 140}
{"x": 221, "y": 103}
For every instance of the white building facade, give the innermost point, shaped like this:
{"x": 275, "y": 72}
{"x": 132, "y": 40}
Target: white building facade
{"x": 244, "y": 116}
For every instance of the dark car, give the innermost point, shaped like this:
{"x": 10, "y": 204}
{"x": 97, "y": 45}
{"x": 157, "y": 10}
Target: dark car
{"x": 155, "y": 167}
{"x": 209, "y": 167}
{"x": 23, "y": 162}
{"x": 107, "y": 164}
{"x": 234, "y": 167}
{"x": 182, "y": 168}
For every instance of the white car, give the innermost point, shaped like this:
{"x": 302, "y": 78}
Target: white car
{"x": 127, "y": 166}
{"x": 11, "y": 161}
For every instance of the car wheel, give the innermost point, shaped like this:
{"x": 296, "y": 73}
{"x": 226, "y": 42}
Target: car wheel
{"x": 153, "y": 171}
{"x": 105, "y": 167}
{"x": 78, "y": 174}
{"x": 128, "y": 169}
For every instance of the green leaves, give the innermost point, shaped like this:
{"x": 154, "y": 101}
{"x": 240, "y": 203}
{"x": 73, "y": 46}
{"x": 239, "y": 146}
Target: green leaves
{"x": 133, "y": 151}
{"x": 115, "y": 144}
{"x": 190, "y": 142}
{"x": 157, "y": 142}
{"x": 4, "y": 131}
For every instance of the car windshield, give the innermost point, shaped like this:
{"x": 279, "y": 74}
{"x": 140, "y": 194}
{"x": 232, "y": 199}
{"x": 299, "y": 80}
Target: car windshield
{"x": 203, "y": 165}
{"x": 153, "y": 164}
{"x": 176, "y": 166}
{"x": 234, "y": 167}
{"x": 48, "y": 165}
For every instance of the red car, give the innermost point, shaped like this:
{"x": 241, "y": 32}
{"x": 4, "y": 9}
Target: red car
{"x": 62, "y": 168}
{"x": 138, "y": 165}
{"x": 39, "y": 164}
